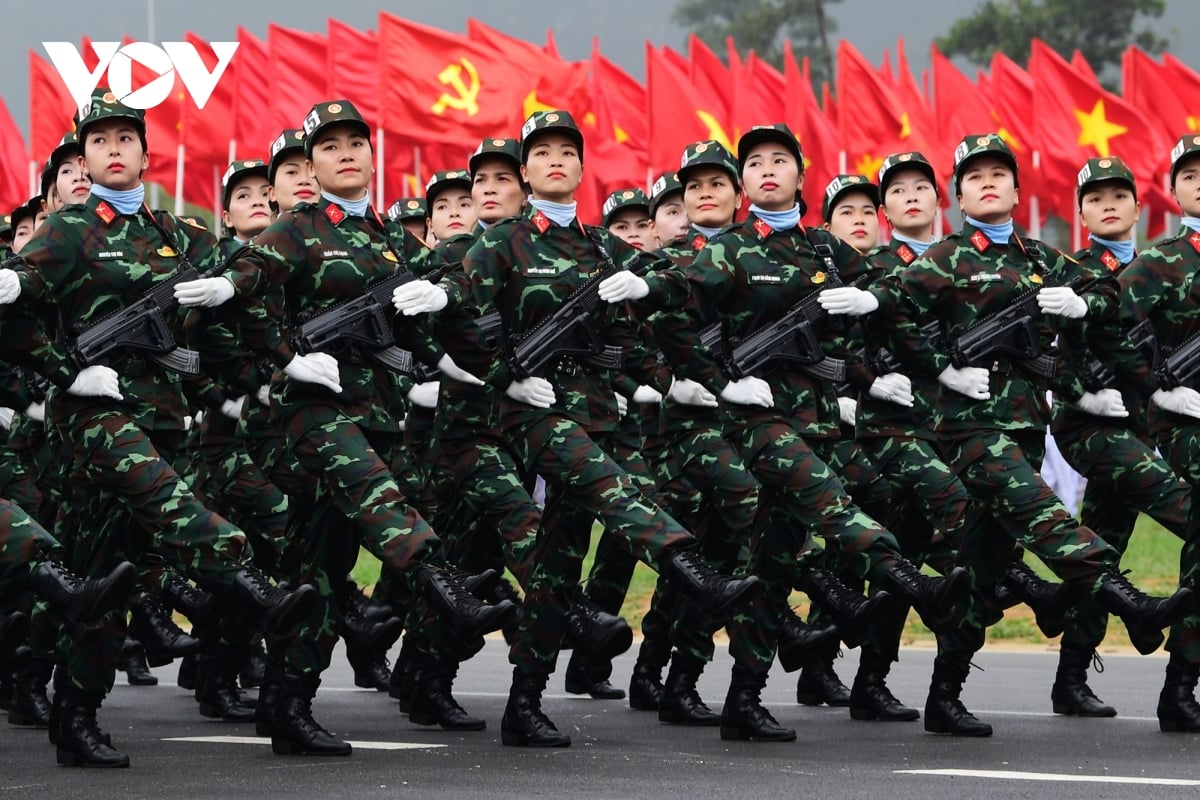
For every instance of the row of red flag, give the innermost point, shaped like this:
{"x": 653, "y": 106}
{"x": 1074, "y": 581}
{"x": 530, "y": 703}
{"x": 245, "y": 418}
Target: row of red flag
{"x": 432, "y": 96}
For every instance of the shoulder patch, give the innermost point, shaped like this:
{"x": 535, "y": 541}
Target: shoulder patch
{"x": 980, "y": 240}
{"x": 105, "y": 212}
{"x": 1109, "y": 260}
{"x": 335, "y": 214}
{"x": 906, "y": 254}
{"x": 541, "y": 222}
{"x": 762, "y": 229}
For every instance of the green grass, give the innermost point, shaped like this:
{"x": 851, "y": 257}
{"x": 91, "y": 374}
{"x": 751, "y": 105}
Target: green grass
{"x": 1152, "y": 557}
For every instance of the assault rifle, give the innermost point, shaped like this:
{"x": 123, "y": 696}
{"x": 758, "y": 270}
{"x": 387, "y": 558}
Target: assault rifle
{"x": 364, "y": 322}
{"x": 1095, "y": 376}
{"x": 1181, "y": 364}
{"x": 571, "y": 330}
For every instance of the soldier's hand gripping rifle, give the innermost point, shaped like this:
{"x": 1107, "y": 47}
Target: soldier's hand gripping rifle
{"x": 571, "y": 330}
{"x": 1180, "y": 365}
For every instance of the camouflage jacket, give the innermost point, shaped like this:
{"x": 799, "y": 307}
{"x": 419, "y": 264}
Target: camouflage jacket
{"x": 959, "y": 282}
{"x": 749, "y": 276}
{"x": 525, "y": 268}
{"x": 320, "y": 256}
{"x": 88, "y": 261}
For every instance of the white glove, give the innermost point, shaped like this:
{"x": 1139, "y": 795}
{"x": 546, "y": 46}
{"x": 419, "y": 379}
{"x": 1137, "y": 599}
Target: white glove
{"x": 419, "y": 297}
{"x": 974, "y": 382}
{"x": 207, "y": 292}
{"x": 1063, "y": 301}
{"x": 451, "y": 370}
{"x": 691, "y": 393}
{"x": 233, "y": 408}
{"x": 36, "y": 412}
{"x": 319, "y": 368}
{"x": 847, "y": 300}
{"x": 187, "y": 422}
{"x": 894, "y": 388}
{"x": 848, "y": 410}
{"x": 6, "y": 418}
{"x": 10, "y": 286}
{"x": 96, "y": 381}
{"x": 198, "y": 419}
{"x": 622, "y": 405}
{"x": 263, "y": 395}
{"x": 1180, "y": 400}
{"x": 535, "y": 392}
{"x": 425, "y": 395}
{"x": 749, "y": 392}
{"x": 1104, "y": 403}
{"x": 647, "y": 394}
{"x": 623, "y": 286}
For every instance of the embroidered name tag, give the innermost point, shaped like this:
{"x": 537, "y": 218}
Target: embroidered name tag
{"x": 765, "y": 278}
{"x": 335, "y": 254}
{"x": 111, "y": 254}
{"x": 986, "y": 277}
{"x": 541, "y": 271}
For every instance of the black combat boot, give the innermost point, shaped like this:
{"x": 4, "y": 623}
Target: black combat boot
{"x": 523, "y": 723}
{"x": 366, "y": 607}
{"x": 193, "y": 602}
{"x": 268, "y": 698}
{"x": 187, "y": 677}
{"x": 218, "y": 692}
{"x": 717, "y": 595}
{"x": 597, "y": 634}
{"x": 1071, "y": 694}
{"x": 14, "y": 628}
{"x": 944, "y": 711}
{"x": 281, "y": 609}
{"x": 1178, "y": 711}
{"x": 82, "y": 601}
{"x": 1144, "y": 616}
{"x": 801, "y": 643}
{"x": 81, "y": 743}
{"x": 402, "y": 682}
{"x": 819, "y": 683}
{"x": 584, "y": 676}
{"x": 368, "y": 640}
{"x": 681, "y": 703}
{"x": 133, "y": 664}
{"x": 162, "y": 640}
{"x": 254, "y": 667}
{"x": 1050, "y": 601}
{"x": 432, "y": 701}
{"x": 645, "y": 687}
{"x": 296, "y": 732}
{"x": 941, "y": 602}
{"x": 870, "y": 697}
{"x": 853, "y": 613}
{"x": 30, "y": 705}
{"x": 744, "y": 716}
{"x": 468, "y": 616}
{"x": 506, "y": 591}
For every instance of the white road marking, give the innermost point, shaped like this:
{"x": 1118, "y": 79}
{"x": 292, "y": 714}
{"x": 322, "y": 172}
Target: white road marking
{"x": 1007, "y": 775}
{"x": 264, "y": 740}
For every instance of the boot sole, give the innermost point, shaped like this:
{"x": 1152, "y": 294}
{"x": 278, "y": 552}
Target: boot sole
{"x": 870, "y": 715}
{"x": 282, "y": 747}
{"x": 936, "y": 728}
{"x": 213, "y": 713}
{"x": 68, "y": 759}
{"x": 514, "y": 739}
{"x": 1070, "y": 711}
{"x": 689, "y": 722}
{"x": 731, "y": 734}
{"x": 423, "y": 718}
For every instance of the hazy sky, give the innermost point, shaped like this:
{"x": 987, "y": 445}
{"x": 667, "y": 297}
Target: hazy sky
{"x": 622, "y": 25}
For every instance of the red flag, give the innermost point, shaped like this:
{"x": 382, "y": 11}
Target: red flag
{"x": 298, "y": 76}
{"x": 253, "y": 128}
{"x": 818, "y": 136}
{"x": 1081, "y": 65}
{"x": 352, "y": 59}
{"x": 1009, "y": 89}
{"x": 936, "y": 147}
{"x": 51, "y": 108}
{"x": 1163, "y": 94}
{"x": 14, "y": 163}
{"x": 206, "y": 132}
{"x": 679, "y": 113}
{"x": 713, "y": 81}
{"x": 551, "y": 83}
{"x": 880, "y": 124}
{"x": 618, "y": 133}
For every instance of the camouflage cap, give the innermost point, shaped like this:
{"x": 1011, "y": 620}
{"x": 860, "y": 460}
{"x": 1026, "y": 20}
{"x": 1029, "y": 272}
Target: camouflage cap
{"x": 1188, "y": 145}
{"x": 508, "y": 149}
{"x": 979, "y": 145}
{"x": 710, "y": 153}
{"x": 779, "y": 132}
{"x": 843, "y": 185}
{"x": 541, "y": 122}
{"x": 663, "y": 187}
{"x": 331, "y": 112}
{"x": 6, "y": 228}
{"x": 289, "y": 140}
{"x": 621, "y": 200}
{"x": 407, "y": 208}
{"x": 104, "y": 105}
{"x": 238, "y": 170}
{"x": 1097, "y": 170}
{"x": 27, "y": 210}
{"x": 897, "y": 162}
{"x": 440, "y": 181}
{"x": 68, "y": 147}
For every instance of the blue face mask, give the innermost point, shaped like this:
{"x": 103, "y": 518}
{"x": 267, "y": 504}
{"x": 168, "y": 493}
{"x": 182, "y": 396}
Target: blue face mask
{"x": 558, "y": 213}
{"x": 998, "y": 234}
{"x": 778, "y": 220}
{"x": 915, "y": 245}
{"x": 1122, "y": 250}
{"x": 355, "y": 208}
{"x": 126, "y": 202}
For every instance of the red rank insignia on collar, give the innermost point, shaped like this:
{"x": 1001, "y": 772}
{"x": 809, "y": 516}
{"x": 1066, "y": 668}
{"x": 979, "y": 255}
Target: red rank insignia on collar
{"x": 105, "y": 212}
{"x": 980, "y": 240}
{"x": 335, "y": 214}
{"x": 541, "y": 221}
{"x": 699, "y": 242}
{"x": 1194, "y": 239}
{"x": 762, "y": 229}
{"x": 1109, "y": 260}
{"x": 906, "y": 254}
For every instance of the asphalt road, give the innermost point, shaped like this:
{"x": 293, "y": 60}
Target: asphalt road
{"x": 619, "y": 753}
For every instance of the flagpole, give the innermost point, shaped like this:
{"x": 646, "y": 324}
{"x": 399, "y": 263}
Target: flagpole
{"x": 417, "y": 168}
{"x": 842, "y": 162}
{"x": 216, "y": 198}
{"x": 379, "y": 188}
{"x": 1035, "y": 210}
{"x": 1076, "y": 231}
{"x": 179, "y": 180}
{"x": 33, "y": 178}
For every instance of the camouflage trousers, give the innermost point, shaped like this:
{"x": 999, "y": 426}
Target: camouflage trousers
{"x": 24, "y": 544}
{"x": 591, "y": 486}
{"x": 1180, "y": 447}
{"x": 136, "y": 504}
{"x": 1016, "y": 507}
{"x": 800, "y": 495}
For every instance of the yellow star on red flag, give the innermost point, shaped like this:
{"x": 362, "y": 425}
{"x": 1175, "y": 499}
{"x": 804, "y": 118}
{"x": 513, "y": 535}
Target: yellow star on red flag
{"x": 1096, "y": 130}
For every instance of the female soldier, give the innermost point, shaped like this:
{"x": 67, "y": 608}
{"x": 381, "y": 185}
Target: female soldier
{"x": 290, "y": 180}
